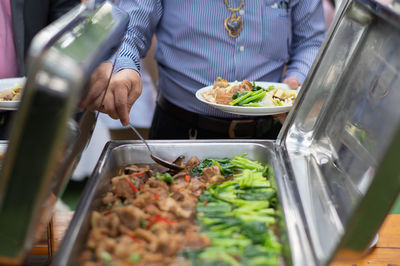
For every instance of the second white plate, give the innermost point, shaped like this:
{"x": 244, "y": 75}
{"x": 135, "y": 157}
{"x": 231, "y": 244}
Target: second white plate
{"x": 6, "y": 84}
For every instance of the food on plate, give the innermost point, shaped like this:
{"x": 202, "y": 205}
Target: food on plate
{"x": 215, "y": 212}
{"x": 248, "y": 94}
{"x": 11, "y": 94}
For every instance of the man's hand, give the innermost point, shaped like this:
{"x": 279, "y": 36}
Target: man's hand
{"x": 124, "y": 88}
{"x": 293, "y": 83}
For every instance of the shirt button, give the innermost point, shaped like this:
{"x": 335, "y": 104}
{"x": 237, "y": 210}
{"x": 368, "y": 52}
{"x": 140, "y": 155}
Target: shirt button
{"x": 241, "y": 48}
{"x": 241, "y": 12}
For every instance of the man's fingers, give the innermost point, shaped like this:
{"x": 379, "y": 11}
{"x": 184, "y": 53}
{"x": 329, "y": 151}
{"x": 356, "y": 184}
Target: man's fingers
{"x": 95, "y": 104}
{"x": 292, "y": 82}
{"x": 97, "y": 84}
{"x": 124, "y": 88}
{"x": 121, "y": 105}
{"x": 109, "y": 106}
{"x": 128, "y": 88}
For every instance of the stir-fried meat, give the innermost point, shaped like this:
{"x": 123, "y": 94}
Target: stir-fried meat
{"x": 146, "y": 221}
{"x": 242, "y": 87}
{"x": 156, "y": 187}
{"x": 130, "y": 216}
{"x": 171, "y": 205}
{"x": 193, "y": 240}
{"x": 216, "y": 179}
{"x": 151, "y": 209}
{"x": 109, "y": 198}
{"x": 144, "y": 199}
{"x": 146, "y": 235}
{"x": 122, "y": 189}
{"x": 165, "y": 243}
{"x": 190, "y": 199}
{"x": 154, "y": 259}
{"x": 180, "y": 182}
{"x": 210, "y": 172}
{"x": 185, "y": 226}
{"x": 224, "y": 96}
{"x": 126, "y": 247}
{"x": 109, "y": 222}
{"x": 221, "y": 83}
{"x": 106, "y": 245}
{"x": 96, "y": 235}
{"x": 196, "y": 186}
{"x": 178, "y": 196}
{"x": 192, "y": 163}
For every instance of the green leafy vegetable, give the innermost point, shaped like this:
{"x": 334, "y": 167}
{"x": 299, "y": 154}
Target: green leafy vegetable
{"x": 214, "y": 208}
{"x": 237, "y": 94}
{"x": 256, "y": 231}
{"x": 197, "y": 171}
{"x": 255, "y": 97}
{"x": 166, "y": 177}
{"x": 256, "y": 194}
{"x": 225, "y": 165}
{"x": 271, "y": 88}
{"x": 252, "y": 105}
{"x": 238, "y": 215}
{"x": 241, "y": 98}
{"x": 255, "y": 87}
{"x": 244, "y": 163}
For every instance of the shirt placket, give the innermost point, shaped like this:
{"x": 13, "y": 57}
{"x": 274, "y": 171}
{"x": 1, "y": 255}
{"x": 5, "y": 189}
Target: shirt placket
{"x": 251, "y": 34}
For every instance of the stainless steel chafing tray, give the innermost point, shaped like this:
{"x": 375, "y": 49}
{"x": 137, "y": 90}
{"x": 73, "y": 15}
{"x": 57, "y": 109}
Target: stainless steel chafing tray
{"x": 335, "y": 160}
{"x": 49, "y": 130}
{"x": 122, "y": 153}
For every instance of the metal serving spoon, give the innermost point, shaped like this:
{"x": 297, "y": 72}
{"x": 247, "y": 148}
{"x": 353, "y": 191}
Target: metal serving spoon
{"x": 157, "y": 159}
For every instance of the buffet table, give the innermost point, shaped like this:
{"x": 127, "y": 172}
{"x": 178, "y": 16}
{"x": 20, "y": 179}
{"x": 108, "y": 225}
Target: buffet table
{"x": 386, "y": 252}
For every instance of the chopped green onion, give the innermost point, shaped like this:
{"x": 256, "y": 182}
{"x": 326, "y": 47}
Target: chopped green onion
{"x": 105, "y": 256}
{"x": 134, "y": 257}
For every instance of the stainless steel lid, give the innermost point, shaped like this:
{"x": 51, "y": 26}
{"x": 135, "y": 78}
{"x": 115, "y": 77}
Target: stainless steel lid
{"x": 341, "y": 142}
{"x": 49, "y": 130}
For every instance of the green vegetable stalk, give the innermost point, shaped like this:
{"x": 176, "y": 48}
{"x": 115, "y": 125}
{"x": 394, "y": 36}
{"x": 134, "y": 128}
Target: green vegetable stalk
{"x": 238, "y": 216}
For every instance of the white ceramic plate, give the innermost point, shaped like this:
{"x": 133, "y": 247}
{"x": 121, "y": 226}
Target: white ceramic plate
{"x": 244, "y": 110}
{"x": 7, "y": 84}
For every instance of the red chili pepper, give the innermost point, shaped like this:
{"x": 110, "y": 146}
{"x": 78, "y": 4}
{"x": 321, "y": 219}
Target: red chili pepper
{"x": 157, "y": 219}
{"x": 162, "y": 219}
{"x": 134, "y": 189}
{"x": 107, "y": 213}
{"x": 156, "y": 196}
{"x": 137, "y": 174}
{"x": 151, "y": 222}
{"x": 187, "y": 178}
{"x": 133, "y": 237}
{"x": 205, "y": 202}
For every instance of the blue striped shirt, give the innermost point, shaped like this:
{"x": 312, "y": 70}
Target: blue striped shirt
{"x": 193, "y": 46}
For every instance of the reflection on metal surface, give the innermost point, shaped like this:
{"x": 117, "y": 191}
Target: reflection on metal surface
{"x": 49, "y": 130}
{"x": 379, "y": 89}
{"x": 392, "y": 4}
{"x": 360, "y": 14}
{"x": 341, "y": 134}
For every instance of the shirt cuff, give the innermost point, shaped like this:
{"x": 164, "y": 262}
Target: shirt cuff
{"x": 124, "y": 62}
